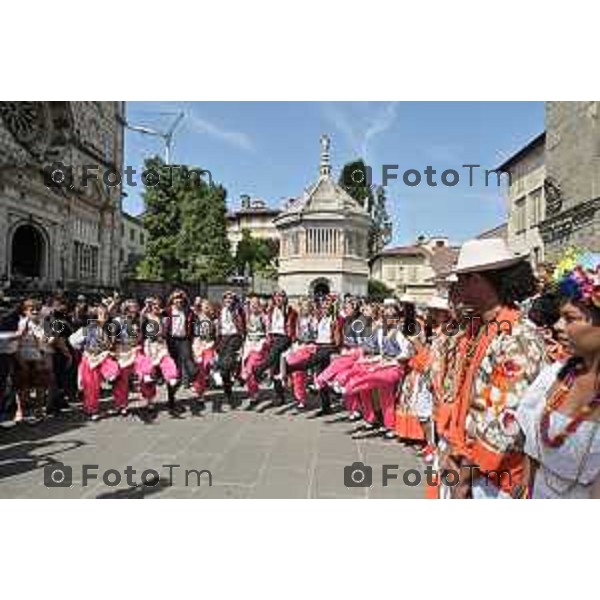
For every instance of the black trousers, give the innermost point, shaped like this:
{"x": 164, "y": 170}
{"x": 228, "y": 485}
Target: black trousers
{"x": 180, "y": 350}
{"x": 227, "y": 362}
{"x": 6, "y": 368}
{"x": 61, "y": 388}
{"x": 318, "y": 362}
{"x": 279, "y": 344}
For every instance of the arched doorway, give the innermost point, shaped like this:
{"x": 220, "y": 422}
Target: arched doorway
{"x": 27, "y": 252}
{"x": 320, "y": 287}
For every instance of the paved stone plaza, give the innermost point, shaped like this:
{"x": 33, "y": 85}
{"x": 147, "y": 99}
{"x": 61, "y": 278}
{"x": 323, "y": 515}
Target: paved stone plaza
{"x": 268, "y": 453}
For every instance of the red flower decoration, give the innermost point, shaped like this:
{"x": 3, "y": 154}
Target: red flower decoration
{"x": 512, "y": 369}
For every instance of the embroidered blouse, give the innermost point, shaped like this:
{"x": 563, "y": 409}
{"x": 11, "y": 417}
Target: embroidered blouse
{"x": 569, "y": 470}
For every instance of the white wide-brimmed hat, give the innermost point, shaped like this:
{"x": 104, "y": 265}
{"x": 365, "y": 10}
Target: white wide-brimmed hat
{"x": 439, "y": 303}
{"x": 485, "y": 255}
{"x": 390, "y": 302}
{"x": 407, "y": 299}
{"x": 452, "y": 278}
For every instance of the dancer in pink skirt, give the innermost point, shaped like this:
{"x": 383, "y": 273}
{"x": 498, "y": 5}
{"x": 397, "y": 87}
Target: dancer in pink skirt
{"x": 255, "y": 348}
{"x": 302, "y": 349}
{"x": 203, "y": 347}
{"x": 328, "y": 343}
{"x": 373, "y": 384}
{"x": 127, "y": 347}
{"x": 359, "y": 343}
{"x": 97, "y": 364}
{"x": 155, "y": 359}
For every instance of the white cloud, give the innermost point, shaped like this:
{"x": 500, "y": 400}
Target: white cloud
{"x": 361, "y": 133}
{"x": 234, "y": 138}
{"x": 160, "y": 115}
{"x": 380, "y": 123}
{"x": 341, "y": 121}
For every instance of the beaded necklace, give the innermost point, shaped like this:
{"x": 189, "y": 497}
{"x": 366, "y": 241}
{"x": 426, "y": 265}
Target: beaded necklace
{"x": 556, "y": 399}
{"x": 542, "y": 432}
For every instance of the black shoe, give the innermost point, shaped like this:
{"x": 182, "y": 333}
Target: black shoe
{"x": 323, "y": 412}
{"x": 235, "y": 403}
{"x": 325, "y": 402}
{"x": 217, "y": 406}
{"x": 147, "y": 415}
{"x": 175, "y": 410}
{"x": 197, "y": 407}
{"x": 252, "y": 405}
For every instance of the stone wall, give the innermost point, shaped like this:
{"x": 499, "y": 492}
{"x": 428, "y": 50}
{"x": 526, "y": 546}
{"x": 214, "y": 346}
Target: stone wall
{"x": 573, "y": 170}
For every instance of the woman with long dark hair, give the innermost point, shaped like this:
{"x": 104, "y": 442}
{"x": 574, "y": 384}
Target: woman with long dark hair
{"x": 360, "y": 344}
{"x": 560, "y": 413}
{"x": 231, "y": 331}
{"x": 281, "y": 319}
{"x": 301, "y": 350}
{"x": 255, "y": 347}
{"x": 204, "y": 338}
{"x": 155, "y": 358}
{"x": 97, "y": 363}
{"x": 327, "y": 343}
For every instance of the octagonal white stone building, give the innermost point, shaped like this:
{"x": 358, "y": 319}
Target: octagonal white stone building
{"x": 324, "y": 239}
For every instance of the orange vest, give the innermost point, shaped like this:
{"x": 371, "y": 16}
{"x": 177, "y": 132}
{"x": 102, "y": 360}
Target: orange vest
{"x": 478, "y": 454}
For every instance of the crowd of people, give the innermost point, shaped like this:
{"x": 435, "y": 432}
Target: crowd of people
{"x": 496, "y": 382}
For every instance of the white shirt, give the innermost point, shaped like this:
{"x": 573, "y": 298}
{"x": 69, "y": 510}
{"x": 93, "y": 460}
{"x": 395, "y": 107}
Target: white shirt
{"x": 32, "y": 341}
{"x": 228, "y": 326}
{"x": 324, "y": 331}
{"x": 277, "y": 321}
{"x": 178, "y": 328}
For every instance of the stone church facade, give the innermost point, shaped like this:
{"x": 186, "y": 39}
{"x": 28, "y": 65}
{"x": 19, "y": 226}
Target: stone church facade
{"x": 323, "y": 239}
{"x": 65, "y": 235}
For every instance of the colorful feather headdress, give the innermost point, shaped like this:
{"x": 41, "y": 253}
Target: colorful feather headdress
{"x": 577, "y": 276}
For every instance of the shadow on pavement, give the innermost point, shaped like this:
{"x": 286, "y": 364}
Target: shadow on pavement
{"x": 138, "y": 492}
{"x": 20, "y": 444}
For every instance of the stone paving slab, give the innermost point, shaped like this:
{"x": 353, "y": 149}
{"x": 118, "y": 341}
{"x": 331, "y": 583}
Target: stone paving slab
{"x": 250, "y": 455}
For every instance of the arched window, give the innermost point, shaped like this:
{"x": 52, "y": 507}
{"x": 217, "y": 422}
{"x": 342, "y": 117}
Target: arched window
{"x": 28, "y": 252}
{"x": 295, "y": 243}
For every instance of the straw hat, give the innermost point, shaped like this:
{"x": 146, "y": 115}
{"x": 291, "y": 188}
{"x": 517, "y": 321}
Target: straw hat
{"x": 485, "y": 255}
{"x": 438, "y": 303}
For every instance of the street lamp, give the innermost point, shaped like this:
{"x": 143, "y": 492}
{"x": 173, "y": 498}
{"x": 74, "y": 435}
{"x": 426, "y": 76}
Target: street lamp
{"x": 166, "y": 136}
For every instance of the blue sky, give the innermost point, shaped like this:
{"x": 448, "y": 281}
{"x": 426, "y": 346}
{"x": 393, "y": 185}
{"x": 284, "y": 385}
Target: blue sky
{"x": 270, "y": 150}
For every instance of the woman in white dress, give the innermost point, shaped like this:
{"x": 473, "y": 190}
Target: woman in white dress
{"x": 560, "y": 413}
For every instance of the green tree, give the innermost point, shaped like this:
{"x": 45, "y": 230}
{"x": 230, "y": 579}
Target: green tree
{"x": 380, "y": 233}
{"x": 378, "y": 291}
{"x": 186, "y": 223}
{"x": 203, "y": 247}
{"x": 356, "y": 181}
{"x": 261, "y": 254}
{"x": 162, "y": 222}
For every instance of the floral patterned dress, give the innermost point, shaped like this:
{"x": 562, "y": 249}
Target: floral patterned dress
{"x": 511, "y": 362}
